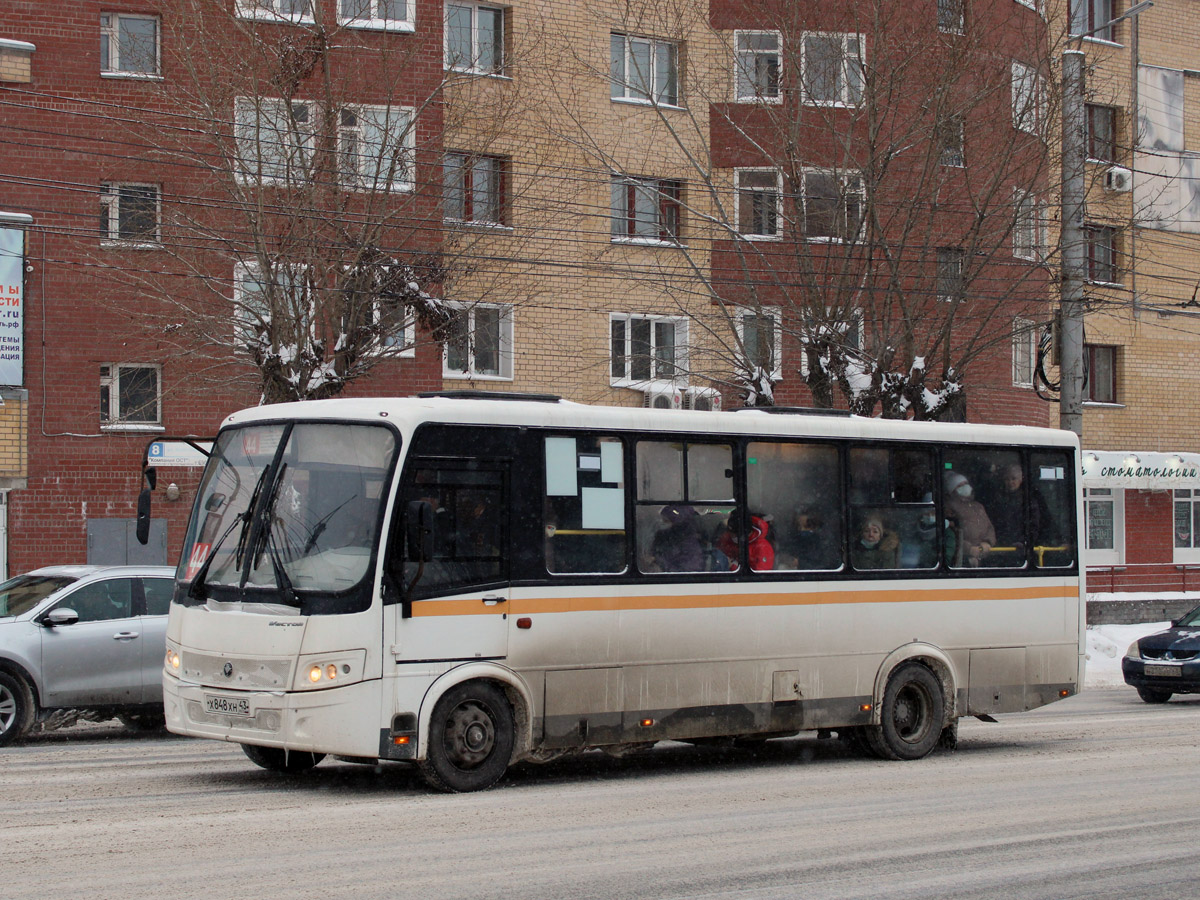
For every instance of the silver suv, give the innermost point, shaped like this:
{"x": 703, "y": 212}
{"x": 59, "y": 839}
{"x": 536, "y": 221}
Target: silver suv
{"x": 87, "y": 638}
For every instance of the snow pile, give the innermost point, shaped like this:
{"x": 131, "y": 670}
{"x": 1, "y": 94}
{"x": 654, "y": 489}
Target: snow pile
{"x": 1106, "y": 645}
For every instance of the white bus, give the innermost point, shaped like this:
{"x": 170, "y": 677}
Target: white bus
{"x": 465, "y": 581}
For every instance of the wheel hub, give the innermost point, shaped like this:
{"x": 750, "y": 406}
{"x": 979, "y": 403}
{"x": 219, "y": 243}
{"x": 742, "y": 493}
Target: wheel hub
{"x": 470, "y": 735}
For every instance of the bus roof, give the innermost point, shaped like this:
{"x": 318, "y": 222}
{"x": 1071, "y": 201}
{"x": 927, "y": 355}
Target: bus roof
{"x": 406, "y": 413}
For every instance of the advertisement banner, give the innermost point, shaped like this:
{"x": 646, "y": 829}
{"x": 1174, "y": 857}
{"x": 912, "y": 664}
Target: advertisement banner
{"x": 12, "y": 307}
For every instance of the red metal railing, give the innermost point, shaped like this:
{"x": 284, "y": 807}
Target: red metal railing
{"x": 1143, "y": 577}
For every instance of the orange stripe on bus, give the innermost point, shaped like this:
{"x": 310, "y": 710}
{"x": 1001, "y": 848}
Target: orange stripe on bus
{"x": 530, "y": 605}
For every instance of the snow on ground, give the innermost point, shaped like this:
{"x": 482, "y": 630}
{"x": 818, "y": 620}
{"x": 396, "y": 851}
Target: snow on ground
{"x": 1106, "y": 644}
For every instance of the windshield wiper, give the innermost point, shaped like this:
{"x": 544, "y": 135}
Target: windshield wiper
{"x": 318, "y": 529}
{"x": 196, "y": 588}
{"x": 266, "y": 542}
{"x": 249, "y": 514}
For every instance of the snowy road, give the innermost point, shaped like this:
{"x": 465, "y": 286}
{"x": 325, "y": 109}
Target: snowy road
{"x": 1093, "y": 797}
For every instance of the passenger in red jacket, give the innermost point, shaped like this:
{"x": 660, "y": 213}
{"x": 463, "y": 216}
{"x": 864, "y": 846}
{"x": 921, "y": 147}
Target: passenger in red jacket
{"x": 762, "y": 554}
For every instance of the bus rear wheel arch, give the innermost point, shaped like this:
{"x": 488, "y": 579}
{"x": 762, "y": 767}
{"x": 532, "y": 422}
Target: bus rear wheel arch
{"x": 471, "y": 736}
{"x": 912, "y": 714}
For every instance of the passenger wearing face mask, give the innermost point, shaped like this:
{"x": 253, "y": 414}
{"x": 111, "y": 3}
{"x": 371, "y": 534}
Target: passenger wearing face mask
{"x": 875, "y": 547}
{"x": 973, "y": 529}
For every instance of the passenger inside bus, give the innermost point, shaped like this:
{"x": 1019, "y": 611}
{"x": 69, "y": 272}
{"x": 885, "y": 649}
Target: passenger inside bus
{"x": 759, "y": 547}
{"x": 974, "y": 534}
{"x": 678, "y": 547}
{"x": 875, "y": 547}
{"x": 811, "y": 544}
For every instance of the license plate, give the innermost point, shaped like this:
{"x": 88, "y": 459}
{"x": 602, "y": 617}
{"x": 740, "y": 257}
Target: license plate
{"x": 226, "y": 706}
{"x": 1168, "y": 671}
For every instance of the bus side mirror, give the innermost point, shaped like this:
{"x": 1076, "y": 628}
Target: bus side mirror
{"x": 419, "y": 530}
{"x": 143, "y": 505}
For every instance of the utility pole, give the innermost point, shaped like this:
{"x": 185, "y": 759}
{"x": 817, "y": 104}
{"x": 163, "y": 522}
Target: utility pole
{"x": 1072, "y": 247}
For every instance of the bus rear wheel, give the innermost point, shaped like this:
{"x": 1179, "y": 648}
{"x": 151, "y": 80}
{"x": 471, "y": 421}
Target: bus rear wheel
{"x": 471, "y": 737}
{"x": 278, "y": 759}
{"x": 910, "y": 717}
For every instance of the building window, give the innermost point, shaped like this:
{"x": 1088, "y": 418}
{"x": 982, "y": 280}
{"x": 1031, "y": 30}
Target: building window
{"x": 951, "y": 280}
{"x": 831, "y": 205}
{"x": 288, "y": 10}
{"x": 375, "y": 145}
{"x": 847, "y": 334}
{"x": 475, "y": 38}
{"x": 1187, "y": 524}
{"x": 128, "y": 45}
{"x": 256, "y": 298}
{"x": 1102, "y": 515}
{"x": 760, "y": 336}
{"x": 130, "y": 395}
{"x": 1024, "y": 352}
{"x": 1102, "y": 254}
{"x": 832, "y": 69}
{"x": 643, "y": 70}
{"x": 647, "y": 348}
{"x": 1092, "y": 18}
{"x": 1100, "y": 373}
{"x": 274, "y": 139}
{"x": 129, "y": 213}
{"x": 1102, "y": 130}
{"x": 396, "y": 329}
{"x": 759, "y": 195}
{"x": 645, "y": 209}
{"x": 757, "y": 62}
{"x": 390, "y": 15}
{"x": 473, "y": 188}
{"x": 479, "y": 342}
{"x": 1027, "y": 227}
{"x": 1028, "y": 98}
{"x": 950, "y": 16}
{"x": 951, "y": 141}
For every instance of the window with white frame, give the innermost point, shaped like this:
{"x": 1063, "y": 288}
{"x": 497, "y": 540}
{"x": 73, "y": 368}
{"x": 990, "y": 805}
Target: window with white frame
{"x": 479, "y": 342}
{"x": 287, "y": 10}
{"x": 951, "y": 274}
{"x": 397, "y": 329}
{"x": 647, "y": 348}
{"x": 130, "y": 395}
{"x": 389, "y": 15}
{"x": 831, "y": 204}
{"x": 759, "y": 207}
{"x": 761, "y": 342}
{"x": 274, "y": 139}
{"x": 847, "y": 332}
{"x": 129, "y": 213}
{"x": 128, "y": 45}
{"x": 1092, "y": 18}
{"x": 1101, "y": 243}
{"x": 1028, "y": 98}
{"x": 1024, "y": 352}
{"x": 1187, "y": 525}
{"x": 645, "y": 209}
{"x": 756, "y": 66}
{"x": 475, "y": 38}
{"x": 473, "y": 188}
{"x": 643, "y": 69}
{"x": 1027, "y": 226}
{"x": 950, "y": 16}
{"x": 1103, "y": 514}
{"x": 258, "y": 299}
{"x": 375, "y": 146}
{"x": 952, "y": 141}
{"x": 832, "y": 68}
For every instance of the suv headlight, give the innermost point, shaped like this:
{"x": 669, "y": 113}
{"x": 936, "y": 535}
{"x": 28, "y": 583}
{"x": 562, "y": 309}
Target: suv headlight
{"x": 326, "y": 670}
{"x": 1133, "y": 652}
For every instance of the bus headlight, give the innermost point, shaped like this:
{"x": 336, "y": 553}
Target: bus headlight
{"x": 328, "y": 670}
{"x": 172, "y": 661}
{"x": 1133, "y": 652}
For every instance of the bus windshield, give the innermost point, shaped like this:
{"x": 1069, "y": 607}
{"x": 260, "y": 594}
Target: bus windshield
{"x": 289, "y": 508}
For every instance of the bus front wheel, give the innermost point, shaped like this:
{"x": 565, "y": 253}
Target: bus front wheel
{"x": 911, "y": 715}
{"x": 471, "y": 737}
{"x": 279, "y": 760}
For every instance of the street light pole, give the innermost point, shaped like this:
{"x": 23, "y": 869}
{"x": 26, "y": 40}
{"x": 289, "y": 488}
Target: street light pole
{"x": 1072, "y": 248}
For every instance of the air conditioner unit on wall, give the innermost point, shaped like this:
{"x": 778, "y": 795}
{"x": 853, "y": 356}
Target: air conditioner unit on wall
{"x": 1118, "y": 179}
{"x": 706, "y": 399}
{"x": 668, "y": 397}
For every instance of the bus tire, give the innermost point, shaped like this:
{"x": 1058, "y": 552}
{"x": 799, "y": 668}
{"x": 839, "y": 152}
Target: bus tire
{"x": 911, "y": 715}
{"x": 471, "y": 735}
{"x": 1154, "y": 695}
{"x": 17, "y": 708}
{"x": 278, "y": 759}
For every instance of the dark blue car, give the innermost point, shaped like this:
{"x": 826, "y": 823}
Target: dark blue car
{"x": 1167, "y": 662}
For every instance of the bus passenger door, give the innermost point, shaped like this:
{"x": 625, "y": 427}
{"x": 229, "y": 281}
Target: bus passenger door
{"x": 456, "y": 603}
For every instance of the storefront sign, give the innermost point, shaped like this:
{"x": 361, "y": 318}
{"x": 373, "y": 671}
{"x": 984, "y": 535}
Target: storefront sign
{"x": 1141, "y": 470}
{"x": 12, "y": 307}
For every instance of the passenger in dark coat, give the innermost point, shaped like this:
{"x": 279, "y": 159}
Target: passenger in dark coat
{"x": 875, "y": 547}
{"x": 678, "y": 547}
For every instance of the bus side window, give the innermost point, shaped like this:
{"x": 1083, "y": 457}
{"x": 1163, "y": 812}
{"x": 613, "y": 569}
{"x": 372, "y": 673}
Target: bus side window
{"x": 893, "y": 518}
{"x": 584, "y": 505}
{"x": 793, "y": 487}
{"x": 1052, "y": 486}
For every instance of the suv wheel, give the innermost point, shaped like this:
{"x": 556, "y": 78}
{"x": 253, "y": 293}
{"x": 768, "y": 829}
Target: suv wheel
{"x": 16, "y": 708}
